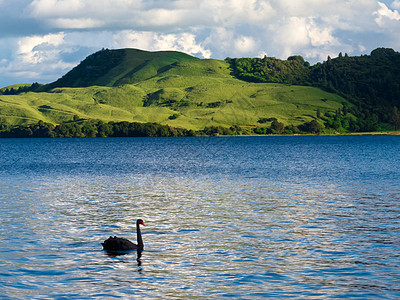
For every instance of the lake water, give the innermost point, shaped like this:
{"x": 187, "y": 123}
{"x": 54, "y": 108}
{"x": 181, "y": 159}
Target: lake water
{"x": 230, "y": 217}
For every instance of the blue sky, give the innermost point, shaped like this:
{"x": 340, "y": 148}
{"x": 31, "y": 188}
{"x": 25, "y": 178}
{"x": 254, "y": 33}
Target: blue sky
{"x": 40, "y": 40}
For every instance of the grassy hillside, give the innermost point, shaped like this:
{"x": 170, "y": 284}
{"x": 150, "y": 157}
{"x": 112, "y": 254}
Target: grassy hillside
{"x": 169, "y": 88}
{"x": 118, "y": 67}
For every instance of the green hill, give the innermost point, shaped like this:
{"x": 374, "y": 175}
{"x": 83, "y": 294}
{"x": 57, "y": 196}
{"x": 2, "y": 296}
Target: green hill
{"x": 175, "y": 89}
{"x": 118, "y": 67}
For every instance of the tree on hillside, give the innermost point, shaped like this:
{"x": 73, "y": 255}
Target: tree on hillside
{"x": 277, "y": 126}
{"x": 395, "y": 119}
{"x": 313, "y": 127}
{"x": 318, "y": 113}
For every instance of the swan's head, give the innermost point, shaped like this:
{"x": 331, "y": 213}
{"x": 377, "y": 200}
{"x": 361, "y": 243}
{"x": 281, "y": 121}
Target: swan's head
{"x": 140, "y": 221}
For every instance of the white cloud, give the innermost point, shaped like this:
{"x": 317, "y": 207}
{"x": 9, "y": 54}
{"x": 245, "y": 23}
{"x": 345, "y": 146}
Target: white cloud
{"x": 184, "y": 42}
{"x": 161, "y": 18}
{"x": 388, "y": 22}
{"x": 72, "y": 23}
{"x": 245, "y": 44}
{"x": 78, "y": 8}
{"x": 319, "y": 35}
{"x": 305, "y": 36}
{"x": 37, "y": 58}
{"x": 385, "y": 15}
{"x": 361, "y": 48}
{"x": 292, "y": 32}
{"x": 37, "y": 49}
{"x": 85, "y": 14}
{"x": 55, "y": 8}
{"x": 233, "y": 12}
{"x": 220, "y": 38}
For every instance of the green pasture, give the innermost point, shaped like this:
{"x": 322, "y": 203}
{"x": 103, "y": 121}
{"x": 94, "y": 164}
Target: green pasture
{"x": 177, "y": 90}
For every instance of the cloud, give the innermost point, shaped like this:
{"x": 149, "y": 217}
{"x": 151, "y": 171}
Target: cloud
{"x": 306, "y": 36}
{"x": 233, "y": 12}
{"x": 39, "y": 33}
{"x": 141, "y": 14}
{"x": 84, "y": 14}
{"x": 320, "y": 36}
{"x": 395, "y": 4}
{"x": 388, "y": 22}
{"x": 244, "y": 44}
{"x": 55, "y": 8}
{"x": 184, "y": 42}
{"x": 37, "y": 57}
{"x": 73, "y": 23}
{"x": 38, "y": 49}
{"x": 384, "y": 15}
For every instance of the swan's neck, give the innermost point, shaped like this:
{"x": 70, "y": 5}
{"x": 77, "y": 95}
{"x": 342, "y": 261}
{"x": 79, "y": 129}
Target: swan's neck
{"x": 139, "y": 237}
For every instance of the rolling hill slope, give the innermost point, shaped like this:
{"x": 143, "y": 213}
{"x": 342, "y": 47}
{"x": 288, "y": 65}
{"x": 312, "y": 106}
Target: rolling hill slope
{"x": 118, "y": 67}
{"x": 169, "y": 88}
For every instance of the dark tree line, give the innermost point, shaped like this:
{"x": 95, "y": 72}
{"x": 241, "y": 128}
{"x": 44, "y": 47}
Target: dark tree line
{"x": 277, "y": 127}
{"x": 371, "y": 82}
{"x": 128, "y": 129}
{"x": 269, "y": 69}
{"x": 93, "y": 129}
{"x": 21, "y": 89}
{"x": 342, "y": 120}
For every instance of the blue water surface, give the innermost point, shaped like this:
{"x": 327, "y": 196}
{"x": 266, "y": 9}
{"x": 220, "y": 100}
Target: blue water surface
{"x": 226, "y": 217}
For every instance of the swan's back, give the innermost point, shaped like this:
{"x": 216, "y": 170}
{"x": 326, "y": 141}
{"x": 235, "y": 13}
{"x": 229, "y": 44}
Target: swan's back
{"x": 113, "y": 244}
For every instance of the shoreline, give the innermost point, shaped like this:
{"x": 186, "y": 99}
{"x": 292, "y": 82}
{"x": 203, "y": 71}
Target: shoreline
{"x": 377, "y": 133}
{"x": 312, "y": 134}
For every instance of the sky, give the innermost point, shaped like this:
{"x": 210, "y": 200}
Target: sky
{"x": 41, "y": 40}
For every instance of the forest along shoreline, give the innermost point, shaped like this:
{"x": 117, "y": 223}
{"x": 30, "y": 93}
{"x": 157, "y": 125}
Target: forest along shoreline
{"x": 127, "y": 129}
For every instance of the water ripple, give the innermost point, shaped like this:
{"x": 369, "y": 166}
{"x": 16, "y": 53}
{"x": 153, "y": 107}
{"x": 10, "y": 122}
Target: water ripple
{"x": 227, "y": 223}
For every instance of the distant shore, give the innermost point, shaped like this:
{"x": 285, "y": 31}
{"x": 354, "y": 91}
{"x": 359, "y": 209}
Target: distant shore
{"x": 373, "y": 133}
{"x": 327, "y": 134}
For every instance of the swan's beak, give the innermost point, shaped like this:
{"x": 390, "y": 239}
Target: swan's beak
{"x": 143, "y": 224}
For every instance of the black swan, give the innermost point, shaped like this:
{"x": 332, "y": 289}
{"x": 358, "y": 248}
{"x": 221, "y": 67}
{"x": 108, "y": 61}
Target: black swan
{"x": 116, "y": 244}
